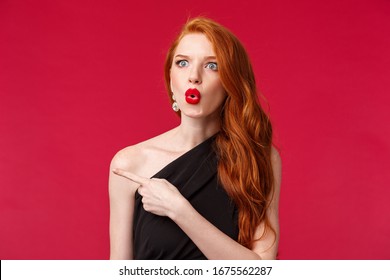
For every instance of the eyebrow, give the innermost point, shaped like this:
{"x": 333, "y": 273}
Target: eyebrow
{"x": 186, "y": 56}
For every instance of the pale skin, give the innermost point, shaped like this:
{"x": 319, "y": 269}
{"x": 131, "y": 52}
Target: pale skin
{"x": 194, "y": 66}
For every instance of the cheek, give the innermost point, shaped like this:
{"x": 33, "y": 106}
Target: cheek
{"x": 221, "y": 96}
{"x": 175, "y": 81}
{"x": 219, "y": 91}
{"x": 216, "y": 99}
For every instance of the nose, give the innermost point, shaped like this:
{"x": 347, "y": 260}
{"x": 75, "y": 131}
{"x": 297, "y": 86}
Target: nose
{"x": 195, "y": 76}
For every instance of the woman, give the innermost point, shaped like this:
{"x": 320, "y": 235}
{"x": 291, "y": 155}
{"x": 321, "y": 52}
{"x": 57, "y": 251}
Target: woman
{"x": 216, "y": 177}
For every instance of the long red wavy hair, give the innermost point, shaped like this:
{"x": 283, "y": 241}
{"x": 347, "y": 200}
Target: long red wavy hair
{"x": 245, "y": 139}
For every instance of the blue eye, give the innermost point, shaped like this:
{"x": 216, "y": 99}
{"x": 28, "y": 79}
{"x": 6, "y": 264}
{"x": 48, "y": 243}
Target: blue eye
{"x": 182, "y": 63}
{"x": 212, "y": 66}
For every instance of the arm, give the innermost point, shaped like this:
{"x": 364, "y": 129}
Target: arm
{"x": 121, "y": 193}
{"x": 162, "y": 198}
{"x": 215, "y": 244}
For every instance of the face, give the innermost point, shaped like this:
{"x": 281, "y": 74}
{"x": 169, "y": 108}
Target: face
{"x": 195, "y": 66}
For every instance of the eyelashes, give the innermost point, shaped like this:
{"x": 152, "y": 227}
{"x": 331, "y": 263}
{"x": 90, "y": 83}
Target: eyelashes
{"x": 182, "y": 63}
{"x": 209, "y": 65}
{"x": 212, "y": 66}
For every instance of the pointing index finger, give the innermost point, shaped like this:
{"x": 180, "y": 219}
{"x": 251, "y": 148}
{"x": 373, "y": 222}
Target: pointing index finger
{"x": 131, "y": 176}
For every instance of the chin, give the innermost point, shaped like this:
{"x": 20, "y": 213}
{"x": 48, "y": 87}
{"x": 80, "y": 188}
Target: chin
{"x": 198, "y": 114}
{"x": 193, "y": 113}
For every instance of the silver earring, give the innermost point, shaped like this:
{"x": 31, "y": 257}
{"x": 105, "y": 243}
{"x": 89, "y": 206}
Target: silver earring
{"x": 175, "y": 106}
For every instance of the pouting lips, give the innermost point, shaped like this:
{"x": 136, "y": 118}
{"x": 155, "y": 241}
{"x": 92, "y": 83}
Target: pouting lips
{"x": 192, "y": 96}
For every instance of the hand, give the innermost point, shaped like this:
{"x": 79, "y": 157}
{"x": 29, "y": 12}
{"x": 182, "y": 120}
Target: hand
{"x": 158, "y": 195}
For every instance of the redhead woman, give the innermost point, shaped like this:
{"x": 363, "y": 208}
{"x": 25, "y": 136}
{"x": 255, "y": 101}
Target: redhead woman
{"x": 209, "y": 188}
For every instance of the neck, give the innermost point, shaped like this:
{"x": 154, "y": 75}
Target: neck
{"x": 191, "y": 132}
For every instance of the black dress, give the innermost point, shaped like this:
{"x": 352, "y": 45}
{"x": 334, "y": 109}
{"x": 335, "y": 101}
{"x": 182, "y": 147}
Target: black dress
{"x": 195, "y": 176}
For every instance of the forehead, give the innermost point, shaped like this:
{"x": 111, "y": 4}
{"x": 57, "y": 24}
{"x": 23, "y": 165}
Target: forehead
{"x": 195, "y": 44}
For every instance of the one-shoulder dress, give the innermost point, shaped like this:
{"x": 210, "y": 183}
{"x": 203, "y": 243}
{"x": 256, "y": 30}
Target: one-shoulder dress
{"x": 195, "y": 175}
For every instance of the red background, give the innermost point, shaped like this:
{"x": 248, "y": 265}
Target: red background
{"x": 80, "y": 80}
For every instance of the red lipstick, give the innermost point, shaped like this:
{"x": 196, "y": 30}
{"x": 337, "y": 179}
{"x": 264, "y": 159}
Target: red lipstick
{"x": 192, "y": 96}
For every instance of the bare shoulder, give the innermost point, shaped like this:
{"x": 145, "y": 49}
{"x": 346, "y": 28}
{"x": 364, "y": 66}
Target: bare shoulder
{"x": 126, "y": 157}
{"x": 276, "y": 162}
{"x": 119, "y": 188}
{"x": 267, "y": 246}
{"x": 130, "y": 158}
{"x": 142, "y": 158}
{"x": 275, "y": 158}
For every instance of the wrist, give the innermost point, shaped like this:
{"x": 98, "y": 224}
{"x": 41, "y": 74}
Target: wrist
{"x": 181, "y": 207}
